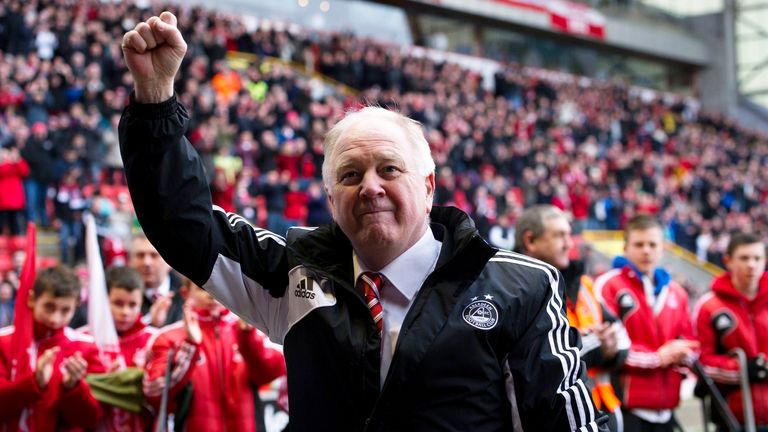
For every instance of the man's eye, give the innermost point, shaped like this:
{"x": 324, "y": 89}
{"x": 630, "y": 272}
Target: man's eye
{"x": 347, "y": 176}
{"x": 391, "y": 169}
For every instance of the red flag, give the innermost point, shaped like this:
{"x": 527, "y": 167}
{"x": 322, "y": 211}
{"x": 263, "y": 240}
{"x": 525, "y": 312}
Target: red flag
{"x": 22, "y": 319}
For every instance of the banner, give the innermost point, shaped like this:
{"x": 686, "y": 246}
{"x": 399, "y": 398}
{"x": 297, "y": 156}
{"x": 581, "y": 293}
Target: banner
{"x": 100, "y": 322}
{"x": 22, "y": 338}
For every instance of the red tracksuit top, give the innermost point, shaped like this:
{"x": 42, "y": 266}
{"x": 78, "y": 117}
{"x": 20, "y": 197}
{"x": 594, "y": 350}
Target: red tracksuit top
{"x": 133, "y": 348}
{"x": 726, "y": 319}
{"x": 53, "y": 408}
{"x": 644, "y": 384}
{"x": 222, "y": 370}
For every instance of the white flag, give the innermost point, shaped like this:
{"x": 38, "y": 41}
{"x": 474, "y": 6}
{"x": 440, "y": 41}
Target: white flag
{"x": 100, "y": 322}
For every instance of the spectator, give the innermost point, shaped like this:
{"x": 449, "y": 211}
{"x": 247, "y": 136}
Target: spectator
{"x": 162, "y": 302}
{"x": 126, "y": 293}
{"x": 69, "y": 206}
{"x": 40, "y": 155}
{"x": 543, "y": 232}
{"x": 733, "y": 315}
{"x": 7, "y": 301}
{"x": 53, "y": 395}
{"x": 13, "y": 169}
{"x": 654, "y": 310}
{"x": 217, "y": 357}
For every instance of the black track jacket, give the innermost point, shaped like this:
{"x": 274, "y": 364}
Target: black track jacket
{"x": 484, "y": 346}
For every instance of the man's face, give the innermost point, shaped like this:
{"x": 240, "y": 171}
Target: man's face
{"x": 148, "y": 262}
{"x": 746, "y": 265}
{"x": 376, "y": 194}
{"x": 52, "y": 312}
{"x": 125, "y": 306}
{"x": 554, "y": 245}
{"x": 644, "y": 248}
{"x": 6, "y": 291}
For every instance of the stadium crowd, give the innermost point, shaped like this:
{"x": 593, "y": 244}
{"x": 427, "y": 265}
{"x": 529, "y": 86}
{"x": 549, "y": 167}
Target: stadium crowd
{"x": 600, "y": 151}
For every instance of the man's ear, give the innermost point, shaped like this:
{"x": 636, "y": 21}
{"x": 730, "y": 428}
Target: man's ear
{"x": 528, "y": 240}
{"x": 184, "y": 292}
{"x": 329, "y": 203}
{"x": 430, "y": 185}
{"x": 727, "y": 262}
{"x": 31, "y": 299}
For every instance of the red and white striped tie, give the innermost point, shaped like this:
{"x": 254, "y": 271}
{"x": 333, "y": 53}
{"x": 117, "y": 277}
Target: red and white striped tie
{"x": 371, "y": 282}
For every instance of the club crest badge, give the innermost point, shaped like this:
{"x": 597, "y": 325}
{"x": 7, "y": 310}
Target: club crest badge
{"x": 481, "y": 314}
{"x": 724, "y": 323}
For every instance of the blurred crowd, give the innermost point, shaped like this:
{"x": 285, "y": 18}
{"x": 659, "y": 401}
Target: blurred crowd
{"x": 600, "y": 151}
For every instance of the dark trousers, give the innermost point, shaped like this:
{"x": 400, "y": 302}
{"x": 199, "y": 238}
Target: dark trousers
{"x": 14, "y": 220}
{"x": 633, "y": 423}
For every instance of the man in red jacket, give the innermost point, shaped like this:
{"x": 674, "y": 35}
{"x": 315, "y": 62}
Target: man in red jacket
{"x": 222, "y": 358}
{"x": 654, "y": 310}
{"x": 53, "y": 395}
{"x": 735, "y": 315}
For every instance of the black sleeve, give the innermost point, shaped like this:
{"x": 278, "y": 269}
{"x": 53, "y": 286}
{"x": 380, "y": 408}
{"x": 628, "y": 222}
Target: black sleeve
{"x": 548, "y": 374}
{"x": 221, "y": 252}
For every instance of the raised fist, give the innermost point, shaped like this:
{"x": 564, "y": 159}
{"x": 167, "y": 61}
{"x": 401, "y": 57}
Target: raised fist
{"x": 153, "y": 51}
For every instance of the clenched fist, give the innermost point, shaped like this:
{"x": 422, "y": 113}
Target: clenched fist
{"x": 153, "y": 51}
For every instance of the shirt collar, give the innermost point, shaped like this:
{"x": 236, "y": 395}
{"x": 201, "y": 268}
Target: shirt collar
{"x": 163, "y": 289}
{"x": 407, "y": 272}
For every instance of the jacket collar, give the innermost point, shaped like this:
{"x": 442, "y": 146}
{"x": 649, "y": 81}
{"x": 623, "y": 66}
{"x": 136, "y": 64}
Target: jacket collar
{"x": 42, "y": 332}
{"x": 135, "y": 328}
{"x": 723, "y": 286}
{"x": 661, "y": 278}
{"x": 328, "y": 249}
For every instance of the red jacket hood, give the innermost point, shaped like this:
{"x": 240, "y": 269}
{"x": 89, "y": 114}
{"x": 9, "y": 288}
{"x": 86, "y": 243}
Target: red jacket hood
{"x": 723, "y": 286}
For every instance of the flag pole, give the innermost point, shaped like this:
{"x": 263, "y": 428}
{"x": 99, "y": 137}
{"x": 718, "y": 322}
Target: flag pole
{"x": 163, "y": 414}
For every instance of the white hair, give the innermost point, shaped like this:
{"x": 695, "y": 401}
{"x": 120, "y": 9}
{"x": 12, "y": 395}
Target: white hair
{"x": 412, "y": 129}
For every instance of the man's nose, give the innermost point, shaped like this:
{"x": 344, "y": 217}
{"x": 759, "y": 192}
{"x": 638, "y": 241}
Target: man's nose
{"x": 370, "y": 185}
{"x": 568, "y": 242}
{"x": 55, "y": 320}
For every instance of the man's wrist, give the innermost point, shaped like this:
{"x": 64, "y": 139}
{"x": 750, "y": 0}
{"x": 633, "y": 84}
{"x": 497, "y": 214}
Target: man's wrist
{"x": 153, "y": 94}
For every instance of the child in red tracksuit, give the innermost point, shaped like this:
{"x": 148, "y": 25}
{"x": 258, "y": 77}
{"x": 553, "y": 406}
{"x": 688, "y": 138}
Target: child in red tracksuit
{"x": 125, "y": 289}
{"x": 221, "y": 357}
{"x": 52, "y": 395}
{"x": 735, "y": 315}
{"x": 654, "y": 310}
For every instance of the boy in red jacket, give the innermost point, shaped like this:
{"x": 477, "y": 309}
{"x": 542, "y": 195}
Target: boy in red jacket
{"x": 53, "y": 394}
{"x": 125, "y": 289}
{"x": 221, "y": 356}
{"x": 735, "y": 315}
{"x": 654, "y": 310}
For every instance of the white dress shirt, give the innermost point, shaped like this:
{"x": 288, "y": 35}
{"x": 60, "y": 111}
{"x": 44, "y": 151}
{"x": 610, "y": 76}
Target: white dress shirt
{"x": 162, "y": 290}
{"x": 403, "y": 278}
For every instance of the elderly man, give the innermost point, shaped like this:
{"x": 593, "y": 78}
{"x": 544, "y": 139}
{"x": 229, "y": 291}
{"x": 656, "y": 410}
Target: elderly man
{"x": 395, "y": 317}
{"x": 544, "y": 232}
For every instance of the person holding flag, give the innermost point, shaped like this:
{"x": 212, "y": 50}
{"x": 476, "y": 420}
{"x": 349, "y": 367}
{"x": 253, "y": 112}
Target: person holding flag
{"x": 42, "y": 362}
{"x": 120, "y": 335}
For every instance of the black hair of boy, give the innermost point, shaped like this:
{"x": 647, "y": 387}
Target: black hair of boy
{"x": 126, "y": 278}
{"x": 58, "y": 281}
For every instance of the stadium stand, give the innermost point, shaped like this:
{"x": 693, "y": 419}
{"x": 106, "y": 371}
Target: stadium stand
{"x": 600, "y": 150}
